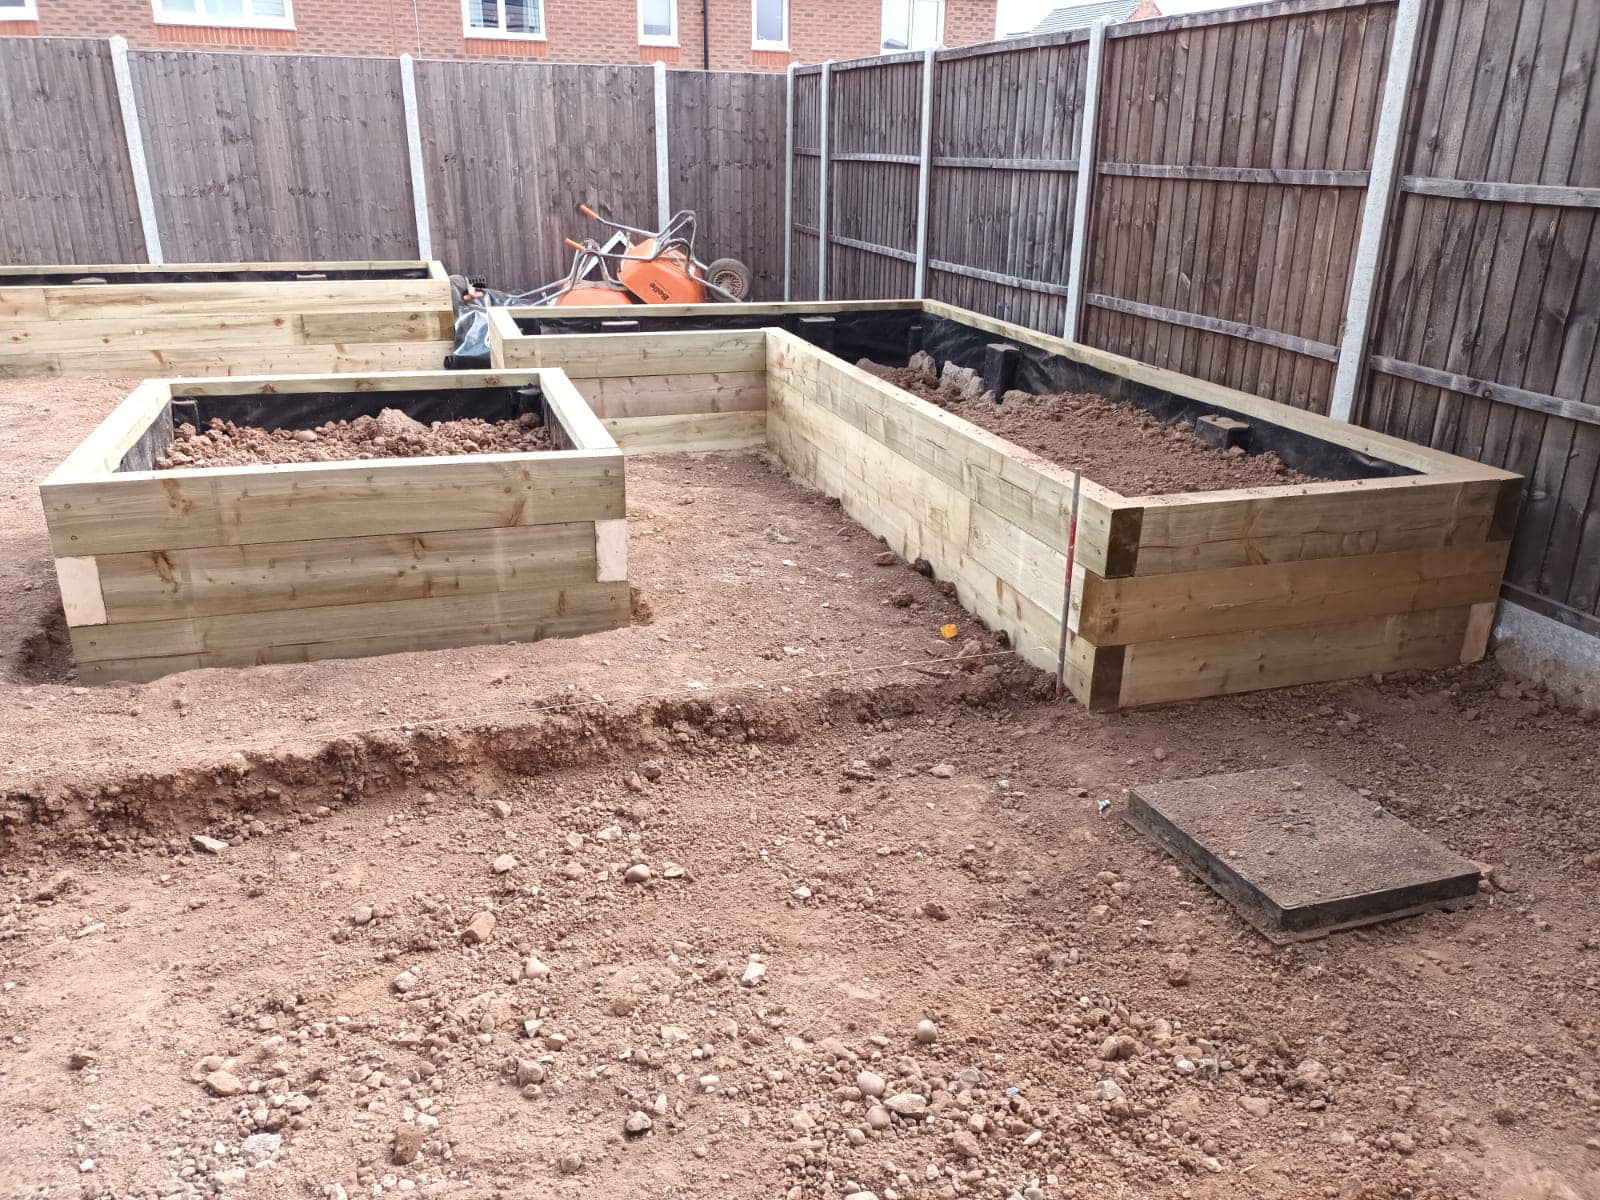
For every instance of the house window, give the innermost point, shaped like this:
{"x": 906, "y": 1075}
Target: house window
{"x": 771, "y": 24}
{"x": 503, "y": 18}
{"x": 18, "y": 10}
{"x": 658, "y": 22}
{"x": 237, "y": 14}
{"x": 913, "y": 24}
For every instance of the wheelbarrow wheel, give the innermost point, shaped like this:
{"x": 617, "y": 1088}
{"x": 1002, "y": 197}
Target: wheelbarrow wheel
{"x": 730, "y": 276}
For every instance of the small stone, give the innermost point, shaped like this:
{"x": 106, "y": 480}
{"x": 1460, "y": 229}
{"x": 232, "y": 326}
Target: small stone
{"x": 941, "y": 771}
{"x": 500, "y": 808}
{"x": 964, "y": 1144}
{"x": 1402, "y": 1141}
{"x": 532, "y": 968}
{"x": 879, "y": 1117}
{"x": 362, "y": 915}
{"x": 927, "y": 1032}
{"x": 305, "y": 435}
{"x": 260, "y": 1147}
{"x": 569, "y": 1163}
{"x": 1108, "y": 1089}
{"x": 528, "y": 1072}
{"x": 406, "y": 980}
{"x": 506, "y": 862}
{"x": 870, "y": 1084}
{"x": 638, "y": 1124}
{"x": 1177, "y": 968}
{"x": 638, "y": 873}
{"x": 907, "y": 1104}
{"x": 478, "y": 929}
{"x": 79, "y": 1059}
{"x": 887, "y": 558}
{"x": 1117, "y": 1047}
{"x": 210, "y": 845}
{"x": 1256, "y": 1106}
{"x": 223, "y": 1083}
{"x": 754, "y": 973}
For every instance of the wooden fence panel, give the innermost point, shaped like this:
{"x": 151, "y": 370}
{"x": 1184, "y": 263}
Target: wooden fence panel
{"x": 1486, "y": 342}
{"x": 511, "y": 150}
{"x": 875, "y": 112}
{"x": 1231, "y": 174}
{"x": 725, "y": 139}
{"x": 807, "y": 119}
{"x": 275, "y": 157}
{"x": 1006, "y": 125}
{"x": 66, "y": 190}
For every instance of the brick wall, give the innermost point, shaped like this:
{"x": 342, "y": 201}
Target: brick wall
{"x": 578, "y": 30}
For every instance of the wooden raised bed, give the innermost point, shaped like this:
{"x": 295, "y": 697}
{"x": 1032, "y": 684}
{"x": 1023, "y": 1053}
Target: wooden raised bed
{"x": 1174, "y": 597}
{"x": 224, "y": 319}
{"x": 164, "y": 571}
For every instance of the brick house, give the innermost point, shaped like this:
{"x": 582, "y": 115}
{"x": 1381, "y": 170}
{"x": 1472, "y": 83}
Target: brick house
{"x": 743, "y": 34}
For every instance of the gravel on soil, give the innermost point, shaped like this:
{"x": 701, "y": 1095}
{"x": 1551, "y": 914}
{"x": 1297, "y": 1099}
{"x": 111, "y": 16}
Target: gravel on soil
{"x": 1117, "y": 445}
{"x": 391, "y": 434}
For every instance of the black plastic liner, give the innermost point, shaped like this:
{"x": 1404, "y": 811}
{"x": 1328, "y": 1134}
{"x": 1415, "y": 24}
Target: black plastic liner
{"x": 70, "y": 278}
{"x": 307, "y": 410}
{"x": 891, "y": 336}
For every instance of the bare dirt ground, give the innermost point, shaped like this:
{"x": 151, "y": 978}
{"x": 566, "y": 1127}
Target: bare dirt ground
{"x": 419, "y": 964}
{"x": 1119, "y": 446}
{"x": 391, "y": 434}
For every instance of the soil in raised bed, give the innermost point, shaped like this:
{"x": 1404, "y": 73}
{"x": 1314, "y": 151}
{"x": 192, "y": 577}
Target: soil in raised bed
{"x": 1117, "y": 445}
{"x": 391, "y": 434}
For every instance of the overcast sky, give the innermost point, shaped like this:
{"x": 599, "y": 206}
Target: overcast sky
{"x": 1025, "y": 14}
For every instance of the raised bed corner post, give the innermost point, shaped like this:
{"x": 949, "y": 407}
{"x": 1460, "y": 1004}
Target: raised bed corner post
{"x": 825, "y": 82}
{"x": 1083, "y": 188}
{"x": 419, "y": 178}
{"x": 788, "y": 184}
{"x": 1386, "y": 147}
{"x": 143, "y": 194}
{"x": 925, "y": 174}
{"x": 663, "y": 159}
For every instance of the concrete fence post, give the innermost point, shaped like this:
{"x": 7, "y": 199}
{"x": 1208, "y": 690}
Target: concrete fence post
{"x": 822, "y": 186}
{"x": 788, "y": 184}
{"x": 1375, "y": 211}
{"x": 925, "y": 175}
{"x": 143, "y": 193}
{"x": 663, "y": 159}
{"x": 419, "y": 179}
{"x": 1083, "y": 185}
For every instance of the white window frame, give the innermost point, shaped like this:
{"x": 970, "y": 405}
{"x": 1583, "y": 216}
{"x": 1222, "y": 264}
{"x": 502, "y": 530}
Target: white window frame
{"x": 938, "y": 43}
{"x": 755, "y": 42}
{"x": 208, "y": 21}
{"x": 657, "y": 39}
{"x": 27, "y": 11}
{"x": 470, "y": 30}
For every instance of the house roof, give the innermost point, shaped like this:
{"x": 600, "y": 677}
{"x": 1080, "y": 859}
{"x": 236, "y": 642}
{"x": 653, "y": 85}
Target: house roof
{"x": 1081, "y": 16}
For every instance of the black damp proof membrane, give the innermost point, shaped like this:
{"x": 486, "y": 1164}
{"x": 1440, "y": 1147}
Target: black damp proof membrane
{"x": 86, "y": 276}
{"x": 892, "y": 336}
{"x": 307, "y": 410}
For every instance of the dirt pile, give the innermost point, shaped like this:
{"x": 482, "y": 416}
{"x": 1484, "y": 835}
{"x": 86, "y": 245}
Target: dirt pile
{"x": 1119, "y": 446}
{"x": 391, "y": 434}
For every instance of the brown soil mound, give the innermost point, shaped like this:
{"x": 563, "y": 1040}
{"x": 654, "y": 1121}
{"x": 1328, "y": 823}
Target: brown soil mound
{"x": 1119, "y": 446}
{"x": 391, "y": 434}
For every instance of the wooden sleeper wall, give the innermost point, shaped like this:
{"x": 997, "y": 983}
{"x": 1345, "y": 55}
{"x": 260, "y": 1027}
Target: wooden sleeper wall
{"x": 169, "y": 571}
{"x": 226, "y": 328}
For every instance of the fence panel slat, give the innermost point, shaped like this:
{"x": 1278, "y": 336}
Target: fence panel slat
{"x": 275, "y": 157}
{"x": 66, "y": 190}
